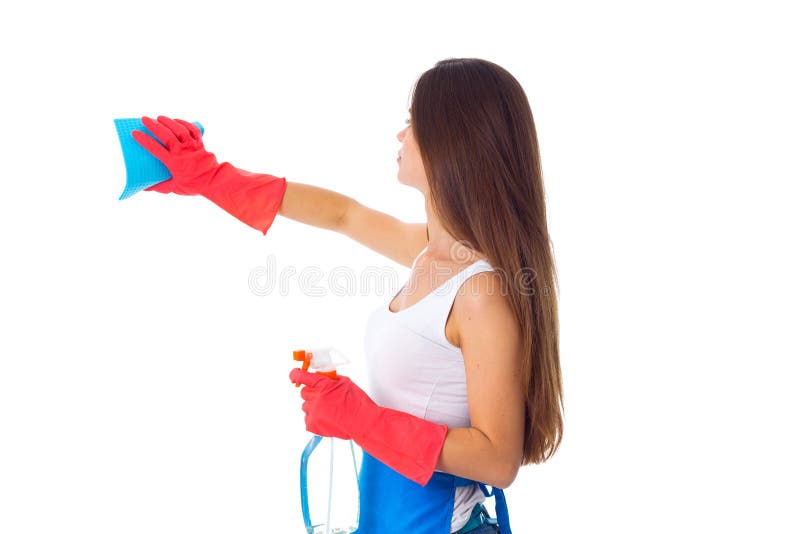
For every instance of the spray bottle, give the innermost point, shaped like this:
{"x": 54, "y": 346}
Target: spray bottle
{"x": 342, "y": 516}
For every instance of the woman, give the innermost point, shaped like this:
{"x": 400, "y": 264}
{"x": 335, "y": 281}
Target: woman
{"x": 465, "y": 380}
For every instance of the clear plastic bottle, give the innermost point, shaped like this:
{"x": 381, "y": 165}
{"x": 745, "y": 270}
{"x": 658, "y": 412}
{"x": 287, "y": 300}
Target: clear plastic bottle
{"x": 328, "y": 466}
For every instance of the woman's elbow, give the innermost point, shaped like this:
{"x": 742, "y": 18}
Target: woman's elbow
{"x": 504, "y": 475}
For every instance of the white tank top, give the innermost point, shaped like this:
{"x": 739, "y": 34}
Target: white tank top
{"x": 412, "y": 367}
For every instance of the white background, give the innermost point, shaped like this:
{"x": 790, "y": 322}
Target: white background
{"x": 143, "y": 382}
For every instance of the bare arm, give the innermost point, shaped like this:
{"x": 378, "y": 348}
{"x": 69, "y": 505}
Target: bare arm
{"x": 314, "y": 205}
{"x": 379, "y": 231}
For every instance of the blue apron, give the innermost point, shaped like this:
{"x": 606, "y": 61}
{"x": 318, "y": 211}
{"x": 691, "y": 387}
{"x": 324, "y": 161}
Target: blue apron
{"x": 390, "y": 502}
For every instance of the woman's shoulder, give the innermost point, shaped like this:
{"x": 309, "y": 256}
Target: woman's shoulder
{"x": 483, "y": 302}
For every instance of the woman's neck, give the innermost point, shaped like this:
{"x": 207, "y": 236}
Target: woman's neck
{"x": 442, "y": 246}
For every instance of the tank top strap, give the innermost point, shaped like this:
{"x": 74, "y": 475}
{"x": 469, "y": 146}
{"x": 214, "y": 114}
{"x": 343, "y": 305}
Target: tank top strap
{"x": 414, "y": 263}
{"x": 443, "y": 297}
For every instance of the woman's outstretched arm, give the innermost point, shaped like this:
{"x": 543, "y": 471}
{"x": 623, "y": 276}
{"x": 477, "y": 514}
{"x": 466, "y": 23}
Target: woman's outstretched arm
{"x": 323, "y": 208}
{"x": 314, "y": 205}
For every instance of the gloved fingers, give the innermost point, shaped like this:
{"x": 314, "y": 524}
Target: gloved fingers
{"x": 161, "y": 132}
{"x": 161, "y": 187}
{"x": 298, "y": 376}
{"x": 151, "y": 145}
{"x": 180, "y": 131}
{"x": 313, "y": 426}
{"x": 308, "y": 393}
{"x": 194, "y": 131}
{"x": 310, "y": 426}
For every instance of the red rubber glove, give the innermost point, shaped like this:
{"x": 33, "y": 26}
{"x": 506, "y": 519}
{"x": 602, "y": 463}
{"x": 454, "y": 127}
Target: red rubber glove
{"x": 338, "y": 408}
{"x": 252, "y": 198}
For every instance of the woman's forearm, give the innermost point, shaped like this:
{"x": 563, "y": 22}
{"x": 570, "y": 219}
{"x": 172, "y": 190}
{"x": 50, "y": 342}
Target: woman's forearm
{"x": 469, "y": 453}
{"x": 314, "y": 205}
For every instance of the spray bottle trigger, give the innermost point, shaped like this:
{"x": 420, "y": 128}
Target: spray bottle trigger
{"x": 329, "y": 374}
{"x": 302, "y": 356}
{"x": 325, "y": 362}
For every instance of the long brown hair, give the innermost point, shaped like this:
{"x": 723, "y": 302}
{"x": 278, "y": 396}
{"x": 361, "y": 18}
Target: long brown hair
{"x": 478, "y": 143}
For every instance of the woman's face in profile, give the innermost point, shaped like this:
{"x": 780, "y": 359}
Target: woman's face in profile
{"x": 410, "y": 169}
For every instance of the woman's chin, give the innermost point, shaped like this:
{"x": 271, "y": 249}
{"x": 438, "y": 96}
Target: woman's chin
{"x": 401, "y": 178}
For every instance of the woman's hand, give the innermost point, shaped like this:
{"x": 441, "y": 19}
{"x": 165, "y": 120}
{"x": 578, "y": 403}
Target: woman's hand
{"x": 182, "y": 152}
{"x": 337, "y": 407}
{"x": 331, "y": 405}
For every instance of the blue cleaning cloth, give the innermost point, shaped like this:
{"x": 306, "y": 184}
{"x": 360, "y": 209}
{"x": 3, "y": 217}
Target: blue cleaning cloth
{"x": 142, "y": 168}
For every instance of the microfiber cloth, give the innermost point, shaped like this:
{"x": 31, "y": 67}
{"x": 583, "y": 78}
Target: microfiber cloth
{"x": 141, "y": 167}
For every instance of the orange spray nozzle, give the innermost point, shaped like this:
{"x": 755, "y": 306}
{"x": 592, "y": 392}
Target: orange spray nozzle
{"x": 306, "y": 358}
{"x": 302, "y": 356}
